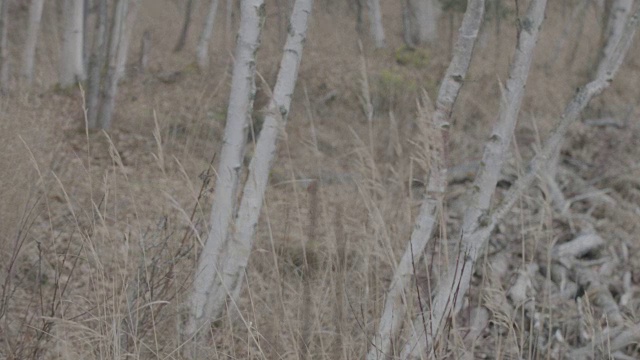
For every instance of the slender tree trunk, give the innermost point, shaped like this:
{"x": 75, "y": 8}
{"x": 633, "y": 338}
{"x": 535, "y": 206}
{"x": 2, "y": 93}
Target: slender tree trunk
{"x": 97, "y": 62}
{"x": 145, "y": 47}
{"x": 394, "y": 307}
{"x": 71, "y": 61}
{"x": 618, "y": 16}
{"x": 202, "y": 53}
{"x": 186, "y": 23}
{"x": 228, "y": 23}
{"x": 28, "y": 57}
{"x": 276, "y": 118}
{"x": 375, "y": 23}
{"x": 86, "y": 40}
{"x": 407, "y": 35}
{"x": 425, "y": 15}
{"x": 123, "y": 45}
{"x": 124, "y": 16}
{"x": 209, "y": 291}
{"x": 4, "y": 47}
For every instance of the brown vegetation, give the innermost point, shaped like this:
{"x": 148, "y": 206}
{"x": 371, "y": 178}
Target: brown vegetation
{"x": 100, "y": 232}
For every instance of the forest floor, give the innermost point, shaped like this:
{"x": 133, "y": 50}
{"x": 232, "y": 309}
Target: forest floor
{"x": 101, "y": 230}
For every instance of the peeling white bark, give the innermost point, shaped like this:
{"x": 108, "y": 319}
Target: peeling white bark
{"x": 266, "y": 147}
{"x": 202, "y": 52}
{"x": 210, "y": 290}
{"x": 454, "y": 284}
{"x": 394, "y": 308}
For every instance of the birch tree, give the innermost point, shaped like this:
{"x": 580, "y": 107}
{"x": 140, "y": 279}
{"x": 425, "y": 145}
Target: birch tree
{"x": 97, "y": 61}
{"x": 444, "y": 303}
{"x": 618, "y": 16}
{"x": 375, "y": 23}
{"x": 208, "y": 292}
{"x": 202, "y": 52}
{"x": 456, "y": 281}
{"x": 394, "y": 307}
{"x": 71, "y": 61}
{"x": 28, "y": 55}
{"x": 423, "y": 20}
{"x": 276, "y": 115}
{"x": 108, "y": 60}
{"x": 186, "y": 23}
{"x": 4, "y": 47}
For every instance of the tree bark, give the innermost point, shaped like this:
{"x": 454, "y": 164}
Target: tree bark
{"x": 618, "y": 16}
{"x": 394, "y": 307}
{"x": 186, "y": 23}
{"x": 202, "y": 52}
{"x": 28, "y": 56}
{"x": 210, "y": 291}
{"x": 375, "y": 23}
{"x": 71, "y": 61}
{"x": 145, "y": 46}
{"x": 4, "y": 47}
{"x": 123, "y": 45}
{"x": 471, "y": 245}
{"x": 97, "y": 62}
{"x": 124, "y": 16}
{"x": 424, "y": 20}
{"x": 260, "y": 166}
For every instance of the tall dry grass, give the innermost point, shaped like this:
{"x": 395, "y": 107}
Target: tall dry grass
{"x": 100, "y": 232}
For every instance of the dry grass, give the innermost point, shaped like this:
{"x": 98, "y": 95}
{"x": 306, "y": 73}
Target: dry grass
{"x": 100, "y": 233}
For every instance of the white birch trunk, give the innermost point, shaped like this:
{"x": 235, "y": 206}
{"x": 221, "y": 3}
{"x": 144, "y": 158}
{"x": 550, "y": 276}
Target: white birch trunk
{"x": 228, "y": 23}
{"x": 186, "y": 23}
{"x": 117, "y": 55}
{"x": 71, "y": 61}
{"x": 97, "y": 62}
{"x": 618, "y": 16}
{"x": 127, "y": 29}
{"x": 424, "y": 21}
{"x": 240, "y": 243}
{"x": 28, "y": 55}
{"x": 601, "y": 81}
{"x": 394, "y": 307}
{"x": 4, "y": 47}
{"x": 375, "y": 23}
{"x": 209, "y": 292}
{"x": 202, "y": 52}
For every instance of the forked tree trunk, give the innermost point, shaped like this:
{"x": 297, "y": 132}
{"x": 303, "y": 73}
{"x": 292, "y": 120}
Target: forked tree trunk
{"x": 394, "y": 311}
{"x": 186, "y": 23}
{"x": 202, "y": 52}
{"x": 71, "y": 60}
{"x": 209, "y": 292}
{"x": 276, "y": 116}
{"x": 123, "y": 19}
{"x": 375, "y": 23}
{"x": 455, "y": 284}
{"x": 28, "y": 55}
